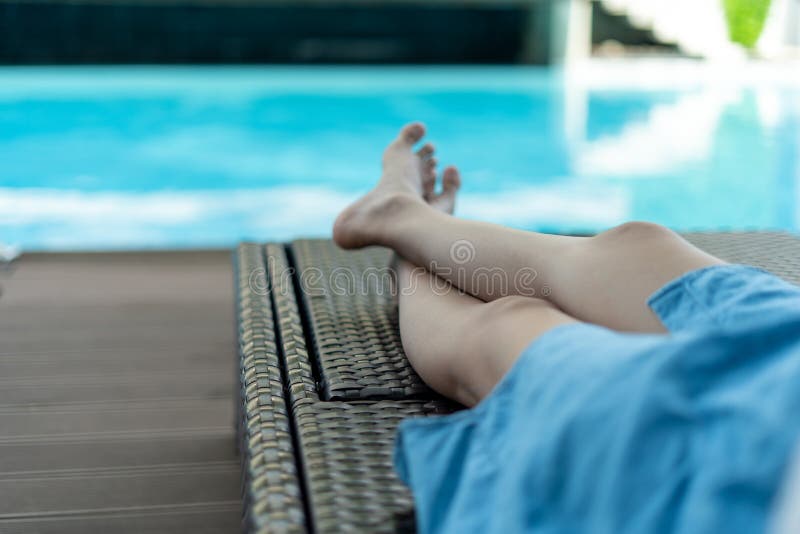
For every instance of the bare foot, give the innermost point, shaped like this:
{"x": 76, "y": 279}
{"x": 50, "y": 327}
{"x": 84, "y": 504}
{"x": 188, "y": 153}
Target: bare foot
{"x": 362, "y": 223}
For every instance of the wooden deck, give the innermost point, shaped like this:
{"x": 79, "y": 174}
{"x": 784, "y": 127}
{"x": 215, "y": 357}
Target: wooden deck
{"x": 116, "y": 394}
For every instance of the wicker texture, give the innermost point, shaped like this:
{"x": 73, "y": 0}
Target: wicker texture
{"x": 336, "y": 345}
{"x": 299, "y": 367}
{"x": 347, "y": 452}
{"x": 776, "y": 252}
{"x": 271, "y": 489}
{"x": 353, "y": 319}
{"x": 345, "y": 447}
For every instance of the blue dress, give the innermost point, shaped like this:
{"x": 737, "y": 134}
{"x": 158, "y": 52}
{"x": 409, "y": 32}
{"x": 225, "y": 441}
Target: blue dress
{"x": 600, "y": 432}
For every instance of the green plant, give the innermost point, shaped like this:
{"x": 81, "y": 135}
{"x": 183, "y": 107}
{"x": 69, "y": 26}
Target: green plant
{"x": 746, "y": 20}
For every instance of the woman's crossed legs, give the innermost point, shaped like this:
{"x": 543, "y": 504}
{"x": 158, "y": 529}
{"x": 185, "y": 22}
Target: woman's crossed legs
{"x": 473, "y": 295}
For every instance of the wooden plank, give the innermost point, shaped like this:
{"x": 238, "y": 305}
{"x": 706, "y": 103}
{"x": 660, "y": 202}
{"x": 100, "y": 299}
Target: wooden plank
{"x": 202, "y": 518}
{"x": 124, "y": 451}
{"x": 99, "y": 417}
{"x": 137, "y": 387}
{"x": 116, "y": 394}
{"x": 116, "y": 488}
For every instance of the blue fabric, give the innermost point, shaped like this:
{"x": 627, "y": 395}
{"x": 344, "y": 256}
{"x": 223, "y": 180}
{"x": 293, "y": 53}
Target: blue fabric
{"x": 595, "y": 431}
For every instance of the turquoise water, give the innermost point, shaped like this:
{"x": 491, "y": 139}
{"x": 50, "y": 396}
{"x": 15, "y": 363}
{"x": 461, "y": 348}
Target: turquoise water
{"x": 114, "y": 158}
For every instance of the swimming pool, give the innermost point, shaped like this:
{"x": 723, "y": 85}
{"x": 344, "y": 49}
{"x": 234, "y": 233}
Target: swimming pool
{"x": 154, "y": 157}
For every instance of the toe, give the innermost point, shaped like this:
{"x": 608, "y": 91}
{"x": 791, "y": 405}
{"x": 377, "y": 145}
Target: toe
{"x": 426, "y": 151}
{"x": 446, "y": 200}
{"x": 451, "y": 180}
{"x": 411, "y": 133}
{"x": 401, "y": 146}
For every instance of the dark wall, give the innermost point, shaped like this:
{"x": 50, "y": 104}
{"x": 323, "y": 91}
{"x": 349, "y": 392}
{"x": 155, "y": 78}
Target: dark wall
{"x": 37, "y": 33}
{"x": 608, "y": 26}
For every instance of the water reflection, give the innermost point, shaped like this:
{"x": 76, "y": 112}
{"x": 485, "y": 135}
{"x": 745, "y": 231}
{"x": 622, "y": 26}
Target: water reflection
{"x": 166, "y": 157}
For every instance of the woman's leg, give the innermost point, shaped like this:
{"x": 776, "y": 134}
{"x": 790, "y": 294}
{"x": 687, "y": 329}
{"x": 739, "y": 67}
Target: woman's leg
{"x": 604, "y": 279}
{"x": 460, "y": 345}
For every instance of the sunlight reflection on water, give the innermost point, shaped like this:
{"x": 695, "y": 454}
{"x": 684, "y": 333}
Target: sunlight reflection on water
{"x": 167, "y": 157}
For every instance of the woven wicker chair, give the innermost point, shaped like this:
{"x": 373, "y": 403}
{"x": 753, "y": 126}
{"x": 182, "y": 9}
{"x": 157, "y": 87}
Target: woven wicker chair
{"x": 324, "y": 381}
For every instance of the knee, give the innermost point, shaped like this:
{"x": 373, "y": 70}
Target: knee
{"x": 635, "y": 232}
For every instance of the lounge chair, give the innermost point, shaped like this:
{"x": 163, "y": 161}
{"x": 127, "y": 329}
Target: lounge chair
{"x": 324, "y": 381}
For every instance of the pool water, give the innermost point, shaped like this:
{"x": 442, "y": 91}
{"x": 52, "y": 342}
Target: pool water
{"x": 116, "y": 158}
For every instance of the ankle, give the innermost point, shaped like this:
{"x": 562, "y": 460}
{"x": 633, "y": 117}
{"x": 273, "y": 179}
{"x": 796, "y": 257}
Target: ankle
{"x": 401, "y": 216}
{"x": 395, "y": 206}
